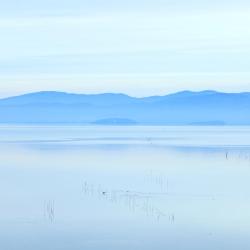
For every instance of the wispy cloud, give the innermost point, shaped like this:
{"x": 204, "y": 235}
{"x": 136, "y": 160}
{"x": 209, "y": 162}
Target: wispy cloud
{"x": 157, "y": 38}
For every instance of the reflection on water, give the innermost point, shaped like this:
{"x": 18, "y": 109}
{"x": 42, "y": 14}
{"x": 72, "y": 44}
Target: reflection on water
{"x": 124, "y": 188}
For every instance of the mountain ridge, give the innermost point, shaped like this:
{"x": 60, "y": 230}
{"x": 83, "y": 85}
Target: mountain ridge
{"x": 180, "y": 108}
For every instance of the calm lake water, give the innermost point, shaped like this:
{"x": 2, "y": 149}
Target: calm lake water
{"x": 111, "y": 188}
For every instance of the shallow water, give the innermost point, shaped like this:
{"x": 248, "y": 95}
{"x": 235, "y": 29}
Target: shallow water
{"x": 73, "y": 187}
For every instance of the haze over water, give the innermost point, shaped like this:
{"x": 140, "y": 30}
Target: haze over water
{"x": 97, "y": 187}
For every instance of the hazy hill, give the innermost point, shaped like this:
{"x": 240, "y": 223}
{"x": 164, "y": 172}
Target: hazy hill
{"x": 182, "y": 108}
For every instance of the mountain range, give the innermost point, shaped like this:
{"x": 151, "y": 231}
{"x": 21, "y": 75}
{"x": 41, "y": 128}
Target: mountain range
{"x": 182, "y": 108}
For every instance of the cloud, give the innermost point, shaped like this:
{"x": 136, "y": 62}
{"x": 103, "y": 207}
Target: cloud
{"x": 125, "y": 45}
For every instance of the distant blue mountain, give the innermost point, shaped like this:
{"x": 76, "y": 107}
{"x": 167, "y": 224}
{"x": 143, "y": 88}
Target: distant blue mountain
{"x": 182, "y": 108}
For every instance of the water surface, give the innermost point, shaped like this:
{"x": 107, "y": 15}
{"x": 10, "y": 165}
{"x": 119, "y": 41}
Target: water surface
{"x": 73, "y": 187}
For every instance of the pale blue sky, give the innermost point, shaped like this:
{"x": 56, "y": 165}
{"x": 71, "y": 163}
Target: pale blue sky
{"x": 138, "y": 47}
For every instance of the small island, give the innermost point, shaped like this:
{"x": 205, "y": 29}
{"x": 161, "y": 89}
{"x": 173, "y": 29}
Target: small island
{"x": 115, "y": 121}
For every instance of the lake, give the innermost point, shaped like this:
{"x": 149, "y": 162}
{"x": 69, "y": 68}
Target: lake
{"x": 134, "y": 187}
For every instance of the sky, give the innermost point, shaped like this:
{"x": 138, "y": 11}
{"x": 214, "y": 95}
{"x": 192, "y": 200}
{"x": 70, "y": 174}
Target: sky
{"x": 137, "y": 47}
